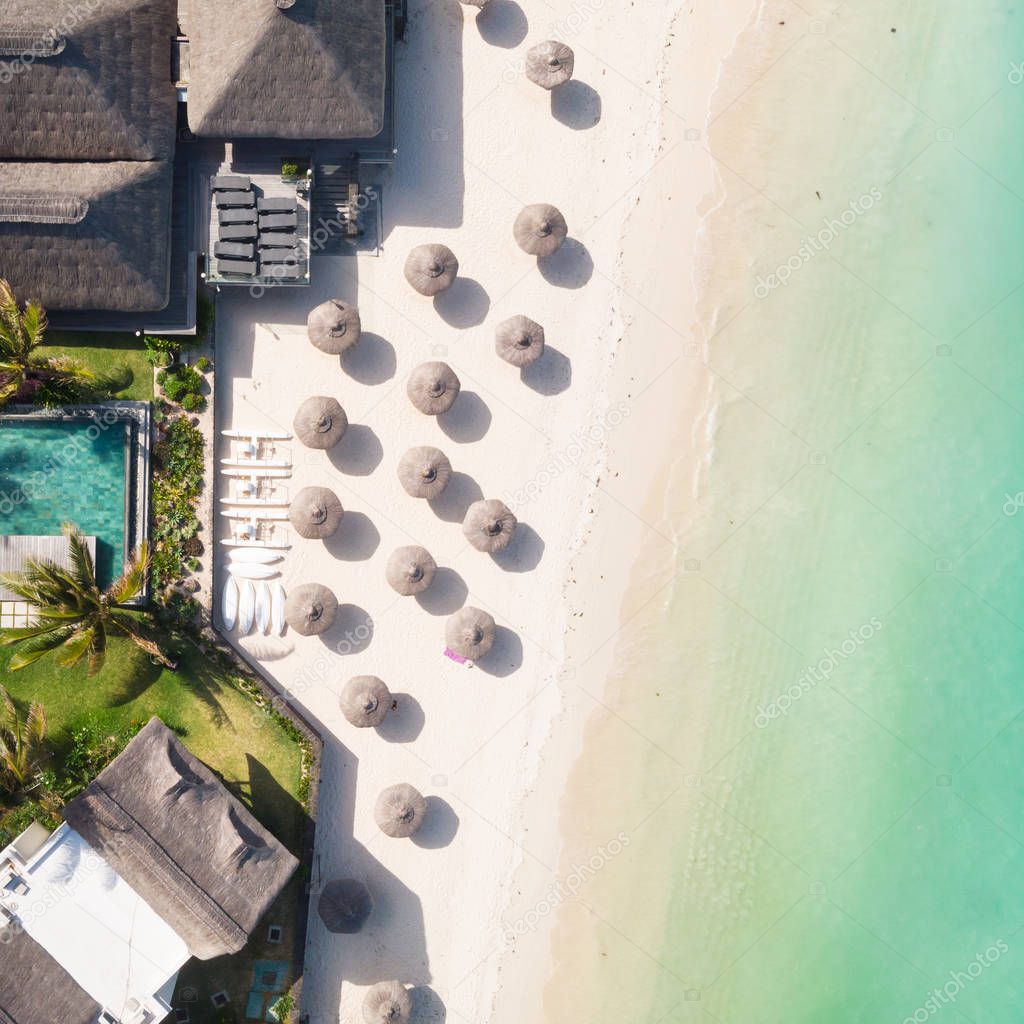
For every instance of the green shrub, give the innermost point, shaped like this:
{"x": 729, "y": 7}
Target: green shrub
{"x": 289, "y": 169}
{"x": 177, "y": 481}
{"x": 203, "y": 364}
{"x": 15, "y": 821}
{"x": 193, "y": 402}
{"x": 182, "y": 383}
{"x": 92, "y": 749}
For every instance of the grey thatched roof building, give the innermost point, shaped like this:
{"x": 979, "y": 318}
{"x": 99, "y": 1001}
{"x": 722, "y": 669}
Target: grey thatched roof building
{"x": 87, "y": 235}
{"x": 87, "y": 81}
{"x": 166, "y": 824}
{"x": 314, "y": 70}
{"x": 35, "y": 989}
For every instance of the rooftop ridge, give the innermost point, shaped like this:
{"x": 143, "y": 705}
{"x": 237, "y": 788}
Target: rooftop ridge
{"x": 42, "y": 208}
{"x": 29, "y": 41}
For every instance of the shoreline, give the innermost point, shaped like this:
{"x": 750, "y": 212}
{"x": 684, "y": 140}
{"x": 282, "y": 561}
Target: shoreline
{"x": 656, "y": 357}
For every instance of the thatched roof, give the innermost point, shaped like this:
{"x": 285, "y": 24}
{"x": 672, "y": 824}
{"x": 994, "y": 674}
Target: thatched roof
{"x": 315, "y": 70}
{"x": 320, "y": 422}
{"x": 387, "y": 1002}
{"x": 540, "y": 229}
{"x": 399, "y": 811}
{"x": 166, "y": 824}
{"x": 424, "y": 471}
{"x": 519, "y": 340}
{"x": 365, "y": 701}
{"x": 310, "y": 609}
{"x": 344, "y": 906}
{"x": 334, "y": 326}
{"x": 489, "y": 525}
{"x": 433, "y": 387}
{"x": 470, "y": 632}
{"x": 315, "y": 512}
{"x": 549, "y": 64}
{"x": 35, "y": 989}
{"x": 106, "y": 94}
{"x": 410, "y": 570}
{"x": 87, "y": 235}
{"x": 431, "y": 268}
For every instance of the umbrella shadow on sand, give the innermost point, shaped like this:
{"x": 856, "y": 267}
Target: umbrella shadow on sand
{"x": 359, "y": 452}
{"x": 505, "y": 657}
{"x": 576, "y": 105}
{"x": 453, "y": 502}
{"x": 570, "y": 266}
{"x": 467, "y": 420}
{"x": 440, "y": 824}
{"x": 549, "y": 375}
{"x": 372, "y": 361}
{"x": 524, "y": 553}
{"x": 502, "y": 23}
{"x": 445, "y": 595}
{"x": 355, "y": 540}
{"x": 351, "y": 631}
{"x": 405, "y": 720}
{"x": 464, "y": 304}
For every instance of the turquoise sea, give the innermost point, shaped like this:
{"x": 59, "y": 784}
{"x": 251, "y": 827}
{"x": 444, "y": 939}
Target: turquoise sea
{"x": 841, "y": 665}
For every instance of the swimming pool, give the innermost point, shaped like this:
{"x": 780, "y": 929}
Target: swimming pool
{"x": 68, "y": 470}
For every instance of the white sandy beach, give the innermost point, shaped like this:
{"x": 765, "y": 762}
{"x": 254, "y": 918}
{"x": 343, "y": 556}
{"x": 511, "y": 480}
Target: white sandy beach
{"x": 622, "y": 156}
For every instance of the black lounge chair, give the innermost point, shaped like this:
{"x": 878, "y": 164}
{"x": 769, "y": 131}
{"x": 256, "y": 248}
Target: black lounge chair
{"x": 244, "y": 268}
{"x": 229, "y": 199}
{"x": 278, "y": 240}
{"x": 243, "y": 216}
{"x": 285, "y": 272}
{"x": 230, "y": 183}
{"x": 279, "y": 256}
{"x": 278, "y": 222}
{"x": 235, "y": 250}
{"x": 237, "y": 233}
{"x": 275, "y": 204}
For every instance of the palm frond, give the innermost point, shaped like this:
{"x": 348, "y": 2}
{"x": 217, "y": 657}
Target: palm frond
{"x": 76, "y": 647}
{"x": 34, "y": 649}
{"x": 81, "y": 560}
{"x": 132, "y": 581}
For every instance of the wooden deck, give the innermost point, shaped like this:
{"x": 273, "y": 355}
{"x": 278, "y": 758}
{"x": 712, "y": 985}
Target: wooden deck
{"x": 16, "y": 550}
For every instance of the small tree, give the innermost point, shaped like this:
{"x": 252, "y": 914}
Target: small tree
{"x": 21, "y": 744}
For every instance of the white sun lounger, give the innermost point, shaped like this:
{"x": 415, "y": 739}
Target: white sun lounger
{"x": 254, "y": 435}
{"x": 255, "y": 517}
{"x": 256, "y": 463}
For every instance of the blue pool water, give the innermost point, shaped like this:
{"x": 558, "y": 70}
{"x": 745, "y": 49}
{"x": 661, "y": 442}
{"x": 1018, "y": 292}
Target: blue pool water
{"x": 68, "y": 471}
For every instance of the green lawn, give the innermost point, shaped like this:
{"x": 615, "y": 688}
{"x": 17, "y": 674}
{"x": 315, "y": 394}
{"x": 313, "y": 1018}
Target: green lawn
{"x": 102, "y": 352}
{"x": 257, "y": 758}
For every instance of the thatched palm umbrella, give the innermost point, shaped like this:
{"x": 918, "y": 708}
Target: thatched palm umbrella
{"x": 334, "y": 326}
{"x": 424, "y": 472}
{"x": 519, "y": 340}
{"x": 310, "y": 609}
{"x": 315, "y": 512}
{"x": 489, "y": 525}
{"x": 365, "y": 701}
{"x": 433, "y": 387}
{"x": 344, "y": 906}
{"x": 470, "y": 633}
{"x": 540, "y": 229}
{"x": 320, "y": 422}
{"x": 410, "y": 570}
{"x": 549, "y": 64}
{"x": 399, "y": 811}
{"x": 387, "y": 1002}
{"x": 431, "y": 268}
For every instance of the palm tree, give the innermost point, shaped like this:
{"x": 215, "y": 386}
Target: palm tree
{"x": 74, "y": 616}
{"x": 25, "y": 371}
{"x": 21, "y": 743}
